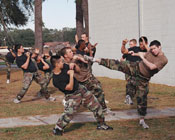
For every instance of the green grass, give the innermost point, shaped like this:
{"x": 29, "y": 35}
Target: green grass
{"x": 160, "y": 129}
{"x": 160, "y": 96}
{"x": 3, "y": 63}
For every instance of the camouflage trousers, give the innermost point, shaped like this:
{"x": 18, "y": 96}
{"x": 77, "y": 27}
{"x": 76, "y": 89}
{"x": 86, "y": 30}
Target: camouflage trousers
{"x": 94, "y": 86}
{"x": 130, "y": 86}
{"x": 48, "y": 77}
{"x": 8, "y": 64}
{"x": 140, "y": 82}
{"x": 27, "y": 80}
{"x": 73, "y": 102}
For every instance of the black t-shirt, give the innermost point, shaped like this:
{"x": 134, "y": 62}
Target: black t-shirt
{"x": 20, "y": 60}
{"x": 61, "y": 80}
{"x": 131, "y": 58}
{"x": 40, "y": 67}
{"x": 80, "y": 52}
{"x": 10, "y": 58}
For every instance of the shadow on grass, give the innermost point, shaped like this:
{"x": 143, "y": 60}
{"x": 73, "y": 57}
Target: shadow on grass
{"x": 74, "y": 126}
{"x": 52, "y": 90}
{"x": 31, "y": 100}
{"x": 13, "y": 81}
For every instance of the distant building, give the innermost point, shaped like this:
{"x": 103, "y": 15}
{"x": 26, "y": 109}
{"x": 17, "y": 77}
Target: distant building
{"x": 111, "y": 21}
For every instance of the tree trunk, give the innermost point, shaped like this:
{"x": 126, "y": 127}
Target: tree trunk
{"x": 38, "y": 25}
{"x": 86, "y": 16}
{"x": 79, "y": 18}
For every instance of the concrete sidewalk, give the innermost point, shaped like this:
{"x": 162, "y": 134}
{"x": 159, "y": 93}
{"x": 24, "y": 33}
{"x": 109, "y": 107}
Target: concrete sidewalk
{"x": 82, "y": 117}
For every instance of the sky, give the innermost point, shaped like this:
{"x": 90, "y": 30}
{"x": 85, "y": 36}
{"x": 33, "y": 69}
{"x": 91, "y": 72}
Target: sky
{"x": 56, "y": 14}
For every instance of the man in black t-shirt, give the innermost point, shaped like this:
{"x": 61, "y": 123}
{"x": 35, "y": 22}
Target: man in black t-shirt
{"x": 85, "y": 76}
{"x": 75, "y": 95}
{"x": 24, "y": 61}
{"x": 9, "y": 59}
{"x": 131, "y": 81}
{"x": 44, "y": 66}
{"x": 90, "y": 49}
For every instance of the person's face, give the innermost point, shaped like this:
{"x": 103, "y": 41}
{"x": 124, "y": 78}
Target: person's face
{"x": 141, "y": 45}
{"x": 38, "y": 58}
{"x": 69, "y": 54}
{"x": 84, "y": 37}
{"x": 155, "y": 50}
{"x": 132, "y": 44}
{"x": 21, "y": 49}
{"x": 83, "y": 45}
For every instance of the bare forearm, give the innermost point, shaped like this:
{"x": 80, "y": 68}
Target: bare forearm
{"x": 70, "y": 85}
{"x": 150, "y": 65}
{"x": 14, "y": 55}
{"x": 26, "y": 64}
{"x": 46, "y": 66}
{"x": 124, "y": 50}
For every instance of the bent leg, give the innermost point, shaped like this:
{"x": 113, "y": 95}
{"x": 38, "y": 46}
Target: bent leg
{"x": 43, "y": 84}
{"x": 72, "y": 104}
{"x": 91, "y": 102}
{"x": 94, "y": 86}
{"x": 27, "y": 80}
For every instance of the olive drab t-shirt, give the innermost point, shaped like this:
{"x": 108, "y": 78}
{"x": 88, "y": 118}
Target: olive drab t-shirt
{"x": 160, "y": 61}
{"x": 85, "y": 70}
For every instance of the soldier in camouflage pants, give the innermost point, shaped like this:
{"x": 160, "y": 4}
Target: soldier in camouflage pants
{"x": 85, "y": 76}
{"x": 140, "y": 82}
{"x": 75, "y": 95}
{"x": 27, "y": 80}
{"x": 26, "y": 62}
{"x": 73, "y": 102}
{"x": 130, "y": 86}
{"x": 8, "y": 64}
{"x": 94, "y": 86}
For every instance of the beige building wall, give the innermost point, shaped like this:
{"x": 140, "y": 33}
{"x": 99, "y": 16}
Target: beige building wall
{"x": 111, "y": 21}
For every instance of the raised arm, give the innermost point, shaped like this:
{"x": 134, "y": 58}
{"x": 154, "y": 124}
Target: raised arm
{"x": 14, "y": 55}
{"x": 124, "y": 50}
{"x": 79, "y": 57}
{"x": 75, "y": 67}
{"x": 145, "y": 45}
{"x": 26, "y": 64}
{"x": 46, "y": 66}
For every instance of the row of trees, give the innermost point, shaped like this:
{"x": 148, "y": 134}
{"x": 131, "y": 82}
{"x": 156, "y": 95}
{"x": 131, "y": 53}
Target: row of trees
{"x": 15, "y": 12}
{"x": 27, "y": 36}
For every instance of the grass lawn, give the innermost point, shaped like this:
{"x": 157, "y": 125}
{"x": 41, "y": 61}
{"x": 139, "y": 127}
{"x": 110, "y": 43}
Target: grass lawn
{"x": 160, "y": 96}
{"x": 161, "y": 129}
